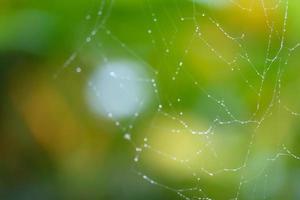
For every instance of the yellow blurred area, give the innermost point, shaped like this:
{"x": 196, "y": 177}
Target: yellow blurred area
{"x": 76, "y": 148}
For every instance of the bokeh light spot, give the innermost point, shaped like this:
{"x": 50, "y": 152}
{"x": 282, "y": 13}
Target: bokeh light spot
{"x": 118, "y": 89}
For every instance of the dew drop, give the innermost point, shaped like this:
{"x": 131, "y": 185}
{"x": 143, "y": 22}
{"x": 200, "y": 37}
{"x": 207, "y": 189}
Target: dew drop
{"x": 88, "y": 39}
{"x": 78, "y": 69}
{"x": 127, "y": 136}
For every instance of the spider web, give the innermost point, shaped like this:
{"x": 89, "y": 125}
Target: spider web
{"x": 220, "y": 88}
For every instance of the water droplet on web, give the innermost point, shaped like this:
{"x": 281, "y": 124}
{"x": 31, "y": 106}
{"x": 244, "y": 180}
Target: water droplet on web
{"x": 127, "y": 136}
{"x": 78, "y": 69}
{"x": 112, "y": 74}
{"x": 88, "y": 17}
{"x": 138, "y": 149}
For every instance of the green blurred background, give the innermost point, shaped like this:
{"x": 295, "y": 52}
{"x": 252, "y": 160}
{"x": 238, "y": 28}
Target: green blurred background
{"x": 55, "y": 144}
